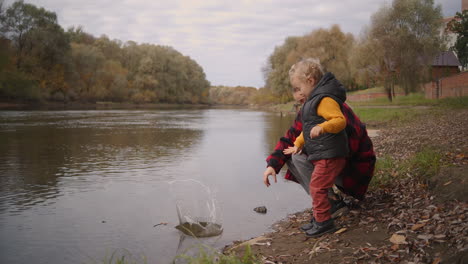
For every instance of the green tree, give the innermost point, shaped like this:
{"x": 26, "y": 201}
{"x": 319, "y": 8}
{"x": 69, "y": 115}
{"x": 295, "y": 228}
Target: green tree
{"x": 40, "y": 45}
{"x": 459, "y": 25}
{"x": 87, "y": 61}
{"x": 34, "y": 32}
{"x": 408, "y": 34}
{"x": 78, "y": 35}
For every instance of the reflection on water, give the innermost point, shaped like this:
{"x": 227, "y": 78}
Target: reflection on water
{"x": 77, "y": 185}
{"x": 39, "y": 148}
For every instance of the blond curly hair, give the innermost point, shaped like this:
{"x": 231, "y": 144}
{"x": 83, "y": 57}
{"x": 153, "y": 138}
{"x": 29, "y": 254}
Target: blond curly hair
{"x": 307, "y": 68}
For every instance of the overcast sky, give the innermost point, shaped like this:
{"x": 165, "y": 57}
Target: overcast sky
{"x": 231, "y": 40}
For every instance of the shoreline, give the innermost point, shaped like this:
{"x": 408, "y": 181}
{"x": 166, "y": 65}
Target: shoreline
{"x": 94, "y": 106}
{"x": 415, "y": 210}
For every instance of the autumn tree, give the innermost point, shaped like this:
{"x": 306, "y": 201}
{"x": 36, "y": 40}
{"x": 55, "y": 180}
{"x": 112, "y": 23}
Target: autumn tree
{"x": 87, "y": 61}
{"x": 35, "y": 33}
{"x": 40, "y": 45}
{"x": 331, "y": 46}
{"x": 239, "y": 95}
{"x": 78, "y": 35}
{"x": 459, "y": 25}
{"x": 403, "y": 38}
{"x": 38, "y": 59}
{"x": 277, "y": 68}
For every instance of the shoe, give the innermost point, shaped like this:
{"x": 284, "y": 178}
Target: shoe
{"x": 321, "y": 228}
{"x": 308, "y": 226}
{"x": 338, "y": 208}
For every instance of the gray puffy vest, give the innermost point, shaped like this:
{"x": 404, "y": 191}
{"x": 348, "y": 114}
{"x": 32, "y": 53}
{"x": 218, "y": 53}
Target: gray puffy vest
{"x": 327, "y": 145}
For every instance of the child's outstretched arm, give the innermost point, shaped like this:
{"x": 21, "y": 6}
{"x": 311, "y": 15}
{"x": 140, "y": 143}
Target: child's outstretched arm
{"x": 331, "y": 111}
{"x": 298, "y": 144}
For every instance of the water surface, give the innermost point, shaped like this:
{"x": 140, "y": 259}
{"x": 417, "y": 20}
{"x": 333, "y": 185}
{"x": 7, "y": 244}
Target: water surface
{"x": 76, "y": 186}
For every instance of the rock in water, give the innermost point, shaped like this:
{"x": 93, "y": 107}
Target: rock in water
{"x": 261, "y": 209}
{"x": 200, "y": 229}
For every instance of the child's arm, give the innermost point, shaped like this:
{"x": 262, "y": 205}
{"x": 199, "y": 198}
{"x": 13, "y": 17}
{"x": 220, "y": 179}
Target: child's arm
{"x": 298, "y": 144}
{"x": 330, "y": 110}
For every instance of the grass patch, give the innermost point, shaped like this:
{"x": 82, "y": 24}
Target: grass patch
{"x": 375, "y": 116}
{"x": 416, "y": 99}
{"x": 426, "y": 163}
{"x": 207, "y": 255}
{"x": 421, "y": 166}
{"x": 285, "y": 108}
{"x": 453, "y": 102}
{"x": 385, "y": 170}
{"x": 377, "y": 89}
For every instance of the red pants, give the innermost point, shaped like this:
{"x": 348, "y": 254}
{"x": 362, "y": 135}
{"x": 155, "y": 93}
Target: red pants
{"x": 323, "y": 177}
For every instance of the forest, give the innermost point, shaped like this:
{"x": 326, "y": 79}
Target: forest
{"x": 40, "y": 61}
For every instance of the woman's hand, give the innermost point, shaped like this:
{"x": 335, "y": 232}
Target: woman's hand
{"x": 291, "y": 150}
{"x": 269, "y": 171}
{"x": 316, "y": 131}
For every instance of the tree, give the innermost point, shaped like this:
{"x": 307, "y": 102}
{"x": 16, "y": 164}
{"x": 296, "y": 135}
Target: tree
{"x": 32, "y": 30}
{"x": 40, "y": 46}
{"x": 87, "y": 61}
{"x": 331, "y": 46}
{"x": 277, "y": 69}
{"x": 459, "y": 25}
{"x": 408, "y": 34}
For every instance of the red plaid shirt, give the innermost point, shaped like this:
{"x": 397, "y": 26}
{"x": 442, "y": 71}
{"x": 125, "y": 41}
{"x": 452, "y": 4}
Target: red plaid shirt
{"x": 360, "y": 163}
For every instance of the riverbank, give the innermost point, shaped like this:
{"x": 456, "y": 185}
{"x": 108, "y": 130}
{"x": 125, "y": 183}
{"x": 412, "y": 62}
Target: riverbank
{"x": 94, "y": 106}
{"x": 415, "y": 210}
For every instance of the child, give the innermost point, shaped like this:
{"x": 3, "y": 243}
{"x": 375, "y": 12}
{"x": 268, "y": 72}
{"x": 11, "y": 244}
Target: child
{"x": 325, "y": 141}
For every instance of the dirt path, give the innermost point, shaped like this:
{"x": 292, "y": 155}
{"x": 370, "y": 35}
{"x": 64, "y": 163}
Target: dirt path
{"x": 410, "y": 220}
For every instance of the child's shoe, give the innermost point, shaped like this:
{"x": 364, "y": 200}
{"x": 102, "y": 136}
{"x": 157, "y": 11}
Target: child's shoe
{"x": 308, "y": 226}
{"x": 338, "y": 208}
{"x": 321, "y": 228}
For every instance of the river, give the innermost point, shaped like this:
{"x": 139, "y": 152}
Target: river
{"x": 80, "y": 186}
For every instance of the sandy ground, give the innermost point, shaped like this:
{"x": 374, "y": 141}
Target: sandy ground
{"x": 410, "y": 220}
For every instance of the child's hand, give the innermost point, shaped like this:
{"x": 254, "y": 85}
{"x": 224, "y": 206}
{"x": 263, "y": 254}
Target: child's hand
{"x": 291, "y": 150}
{"x": 316, "y": 131}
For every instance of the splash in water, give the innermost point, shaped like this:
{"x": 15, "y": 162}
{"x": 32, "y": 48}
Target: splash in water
{"x": 196, "y": 209}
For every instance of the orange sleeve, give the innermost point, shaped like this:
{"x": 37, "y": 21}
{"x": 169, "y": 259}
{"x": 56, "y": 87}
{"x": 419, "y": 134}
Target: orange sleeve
{"x": 331, "y": 111}
{"x": 299, "y": 142}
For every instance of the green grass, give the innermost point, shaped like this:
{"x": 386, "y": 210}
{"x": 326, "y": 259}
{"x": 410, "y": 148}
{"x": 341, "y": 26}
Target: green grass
{"x": 416, "y": 99}
{"x": 383, "y": 115}
{"x": 378, "y": 89}
{"x": 207, "y": 255}
{"x": 453, "y": 102}
{"x": 421, "y": 166}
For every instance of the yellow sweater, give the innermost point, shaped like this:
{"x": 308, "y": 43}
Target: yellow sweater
{"x": 330, "y": 110}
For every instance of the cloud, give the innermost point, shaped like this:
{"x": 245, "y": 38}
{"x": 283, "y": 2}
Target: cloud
{"x": 231, "y": 40}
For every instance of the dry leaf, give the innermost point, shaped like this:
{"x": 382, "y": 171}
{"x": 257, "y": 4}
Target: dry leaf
{"x": 425, "y": 237}
{"x": 395, "y": 247}
{"x": 341, "y": 230}
{"x": 398, "y": 239}
{"x": 417, "y": 226}
{"x": 447, "y": 183}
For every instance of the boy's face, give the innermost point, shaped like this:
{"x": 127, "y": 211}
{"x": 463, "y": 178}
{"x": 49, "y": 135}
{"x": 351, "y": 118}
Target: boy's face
{"x": 298, "y": 95}
{"x": 305, "y": 87}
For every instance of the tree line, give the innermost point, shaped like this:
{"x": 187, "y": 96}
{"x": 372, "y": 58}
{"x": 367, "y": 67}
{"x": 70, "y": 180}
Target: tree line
{"x": 39, "y": 60}
{"x": 396, "y": 48}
